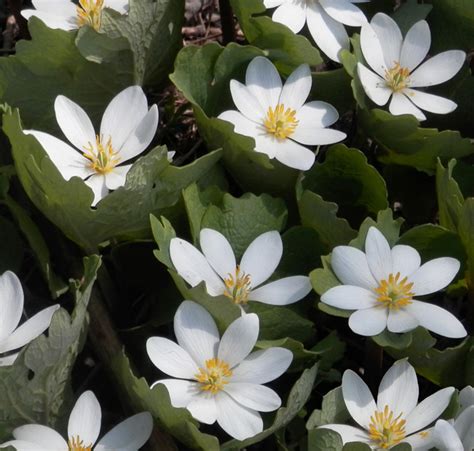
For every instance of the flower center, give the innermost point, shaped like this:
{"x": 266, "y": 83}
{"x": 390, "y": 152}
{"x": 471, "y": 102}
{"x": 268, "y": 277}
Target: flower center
{"x": 103, "y": 158}
{"x": 394, "y": 293}
{"x": 385, "y": 430}
{"x": 397, "y": 77}
{"x": 89, "y": 12}
{"x": 237, "y": 287}
{"x": 76, "y": 444}
{"x": 214, "y": 376}
{"x": 280, "y": 122}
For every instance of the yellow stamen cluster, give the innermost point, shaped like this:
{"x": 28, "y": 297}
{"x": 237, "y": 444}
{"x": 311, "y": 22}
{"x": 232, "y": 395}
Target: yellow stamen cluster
{"x": 237, "y": 287}
{"x": 76, "y": 444}
{"x": 280, "y": 122}
{"x": 89, "y": 12}
{"x": 386, "y": 430}
{"x": 397, "y": 77}
{"x": 103, "y": 158}
{"x": 214, "y": 376}
{"x": 394, "y": 293}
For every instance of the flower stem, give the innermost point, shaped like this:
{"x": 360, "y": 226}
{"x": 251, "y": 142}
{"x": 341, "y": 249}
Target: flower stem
{"x": 227, "y": 21}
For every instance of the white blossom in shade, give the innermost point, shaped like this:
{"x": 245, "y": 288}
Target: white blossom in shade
{"x": 219, "y": 379}
{"x": 276, "y": 115}
{"x": 12, "y": 337}
{"x": 66, "y": 15}
{"x": 381, "y": 286}
{"x": 126, "y": 130}
{"x": 398, "y": 71}
{"x": 83, "y": 431}
{"x": 396, "y": 416}
{"x": 325, "y": 19}
{"x": 217, "y": 267}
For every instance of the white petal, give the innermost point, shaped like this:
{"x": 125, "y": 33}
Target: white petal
{"x": 400, "y": 321}
{"x": 97, "y": 184}
{"x": 369, "y": 322}
{"x": 329, "y": 35}
{"x": 430, "y": 102}
{"x": 21, "y": 445}
{"x": 117, "y": 178}
{"x": 123, "y": 114}
{"x": 317, "y": 114}
{"x": 181, "y": 392}
{"x": 390, "y": 38}
{"x": 196, "y": 332}
{"x": 263, "y": 366}
{"x": 405, "y": 260}
{"x": 421, "y": 441}
{"x": 85, "y": 419}
{"x": 218, "y": 252}
{"x": 262, "y": 257}
{"x": 264, "y": 82}
{"x": 344, "y": 11}
{"x": 273, "y": 3}
{"x": 308, "y": 132}
{"x": 246, "y": 102}
{"x": 466, "y": 397}
{"x": 239, "y": 339}
{"x": 60, "y": 7}
{"x": 446, "y": 436}
{"x": 282, "y": 292}
{"x": 203, "y": 408}
{"x": 129, "y": 435}
{"x": 434, "y": 275}
{"x": 193, "y": 267}
{"x": 351, "y": 267}
{"x": 29, "y": 330}
{"x": 358, "y": 399}
{"x": 379, "y": 255}
{"x": 170, "y": 358}
{"x": 416, "y": 45}
{"x": 266, "y": 143}
{"x": 238, "y": 421}
{"x": 438, "y": 69}
{"x": 11, "y": 303}
{"x": 242, "y": 125}
{"x": 120, "y": 6}
{"x": 348, "y": 433}
{"x": 294, "y": 155}
{"x": 464, "y": 426}
{"x": 52, "y": 20}
{"x": 41, "y": 436}
{"x": 293, "y": 15}
{"x": 436, "y": 319}
{"x": 8, "y": 360}
{"x": 428, "y": 410}
{"x": 349, "y": 297}
{"x": 296, "y": 88}
{"x": 400, "y": 104}
{"x": 372, "y": 50}
{"x": 399, "y": 389}
{"x": 374, "y": 86}
{"x": 254, "y": 396}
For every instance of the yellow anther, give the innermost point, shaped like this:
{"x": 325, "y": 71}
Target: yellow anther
{"x": 386, "y": 430}
{"x": 280, "y": 122}
{"x": 76, "y": 444}
{"x": 237, "y": 287}
{"x": 89, "y": 12}
{"x": 214, "y": 376}
{"x": 397, "y": 77}
{"x": 103, "y": 158}
{"x": 394, "y": 293}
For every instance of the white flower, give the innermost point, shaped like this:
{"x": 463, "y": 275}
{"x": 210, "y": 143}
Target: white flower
{"x": 66, "y": 15}
{"x": 83, "y": 431}
{"x": 396, "y": 416}
{"x": 325, "y": 20}
{"x": 11, "y": 307}
{"x": 396, "y": 63}
{"x": 241, "y": 283}
{"x": 277, "y": 117}
{"x": 382, "y": 283}
{"x": 126, "y": 130}
{"x": 219, "y": 379}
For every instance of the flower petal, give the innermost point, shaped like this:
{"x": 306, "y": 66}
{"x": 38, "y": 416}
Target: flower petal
{"x": 379, "y": 255}
{"x": 416, "y": 45}
{"x": 21, "y": 445}
{"x": 369, "y": 322}
{"x": 117, "y": 178}
{"x": 52, "y": 20}
{"x": 42, "y": 436}
{"x": 372, "y": 50}
{"x": 171, "y": 358}
{"x": 97, "y": 184}
{"x": 294, "y": 155}
{"x": 254, "y": 396}
{"x": 316, "y": 114}
{"x": 464, "y": 426}
{"x": 8, "y": 360}
{"x": 349, "y": 297}
{"x": 348, "y": 433}
{"x": 313, "y": 135}
{"x": 118, "y": 5}
{"x": 389, "y": 36}
{"x": 296, "y": 88}
{"x": 193, "y": 267}
{"x": 351, "y": 267}
{"x": 374, "y": 86}
{"x": 436, "y": 319}
{"x": 239, "y": 339}
{"x": 446, "y": 436}
{"x": 421, "y": 441}
{"x": 430, "y": 102}
{"x": 400, "y": 321}
{"x": 181, "y": 392}
{"x": 293, "y": 15}
{"x": 218, "y": 252}
{"x": 405, "y": 260}
{"x": 196, "y": 332}
{"x": 358, "y": 399}
{"x": 282, "y": 292}
{"x": 434, "y": 275}
{"x": 242, "y": 125}
{"x": 466, "y": 397}
{"x": 246, "y": 102}
{"x": 204, "y": 409}
{"x": 11, "y": 303}
{"x": 85, "y": 419}
{"x": 400, "y": 104}
{"x": 273, "y": 3}
{"x": 262, "y": 257}
{"x": 264, "y": 82}
{"x": 263, "y": 366}
{"x": 238, "y": 421}
{"x": 344, "y": 11}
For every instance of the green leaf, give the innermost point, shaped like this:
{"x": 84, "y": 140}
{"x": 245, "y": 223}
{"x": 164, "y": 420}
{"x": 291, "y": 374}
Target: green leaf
{"x": 331, "y": 349}
{"x": 466, "y": 232}
{"x": 409, "y": 13}
{"x": 333, "y": 410}
{"x": 357, "y": 446}
{"x": 450, "y": 198}
{"x": 324, "y": 440}
{"x": 387, "y": 339}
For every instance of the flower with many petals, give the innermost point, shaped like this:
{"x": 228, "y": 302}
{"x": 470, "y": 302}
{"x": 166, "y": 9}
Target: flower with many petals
{"x": 219, "y": 379}
{"x": 396, "y": 417}
{"x": 67, "y": 15}
{"x": 381, "y": 286}
{"x": 126, "y": 130}
{"x": 396, "y": 62}
{"x": 276, "y": 116}
{"x": 217, "y": 267}
{"x": 325, "y": 19}
{"x": 11, "y": 307}
{"x": 83, "y": 431}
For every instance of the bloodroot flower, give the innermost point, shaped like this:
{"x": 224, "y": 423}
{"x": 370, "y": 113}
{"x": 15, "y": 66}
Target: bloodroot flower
{"x": 381, "y": 286}
{"x": 396, "y": 416}
{"x": 83, "y": 431}
{"x": 219, "y": 379}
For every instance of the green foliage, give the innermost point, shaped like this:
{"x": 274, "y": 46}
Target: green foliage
{"x": 333, "y": 410}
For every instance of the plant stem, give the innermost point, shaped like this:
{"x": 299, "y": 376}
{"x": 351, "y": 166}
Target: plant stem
{"x": 227, "y": 21}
